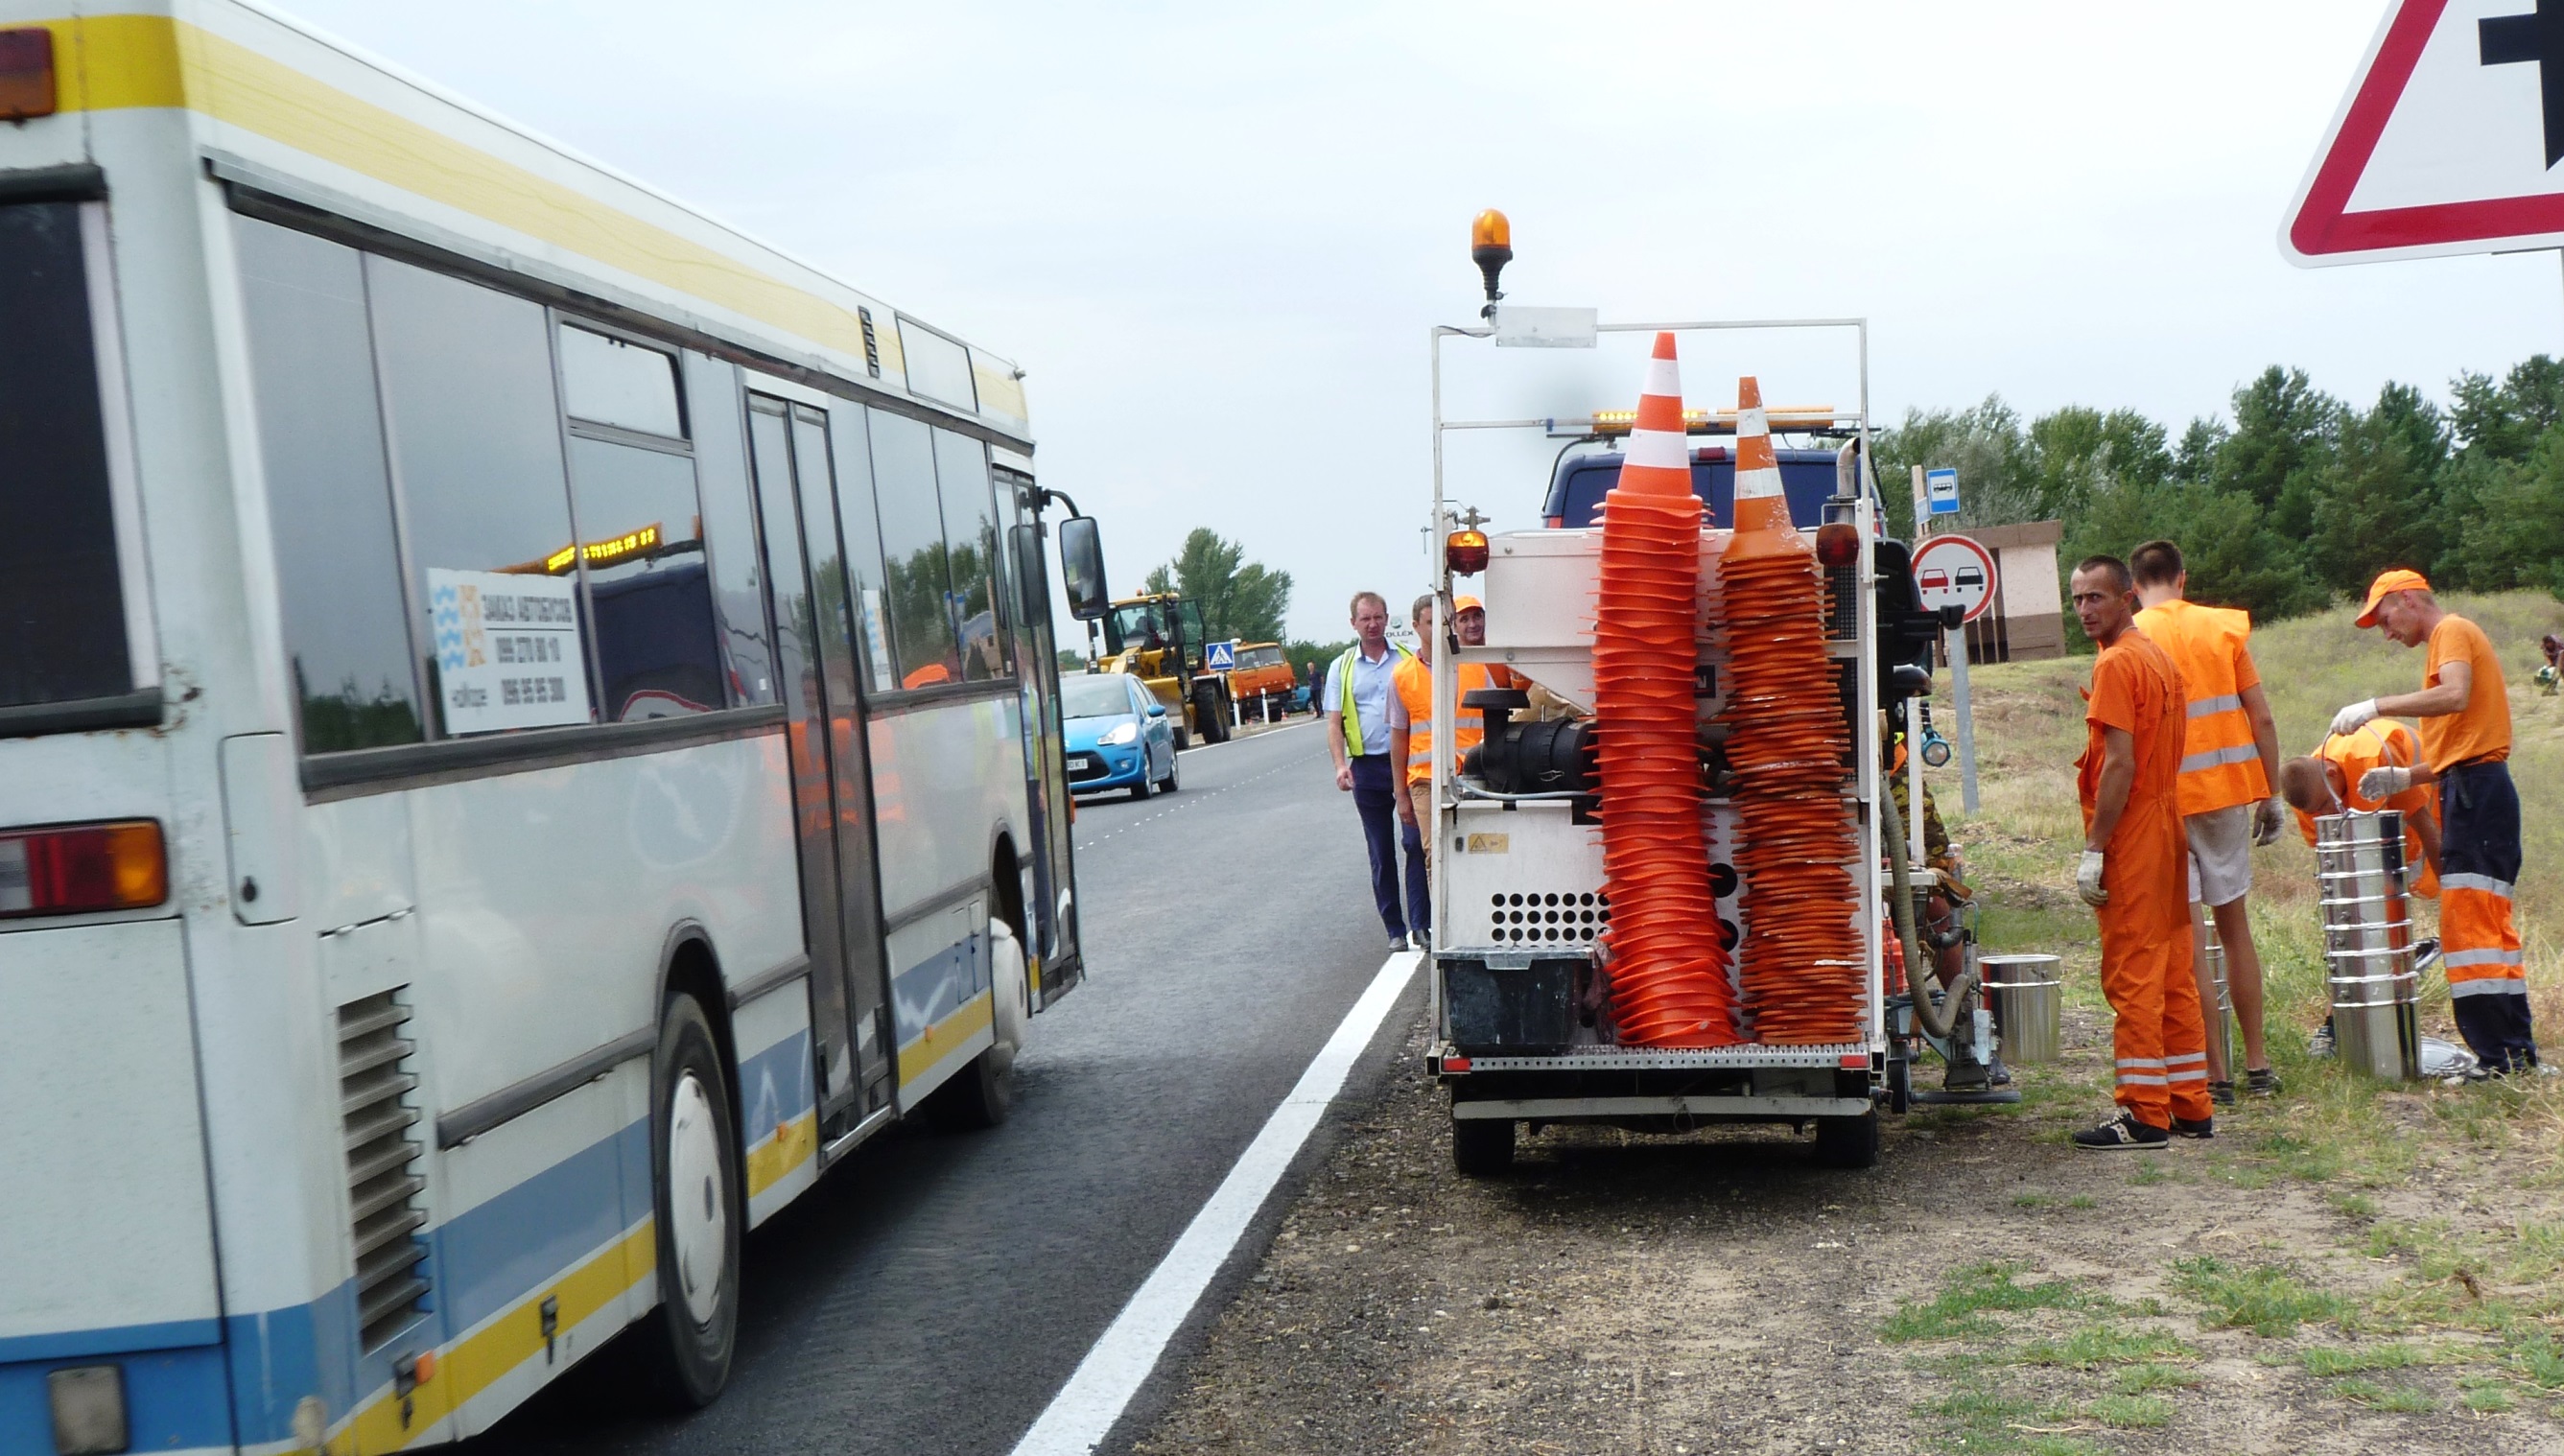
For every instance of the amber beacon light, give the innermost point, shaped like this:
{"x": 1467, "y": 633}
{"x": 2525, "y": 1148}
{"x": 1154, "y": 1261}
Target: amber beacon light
{"x": 26, "y": 73}
{"x": 1491, "y": 246}
{"x": 1466, "y": 551}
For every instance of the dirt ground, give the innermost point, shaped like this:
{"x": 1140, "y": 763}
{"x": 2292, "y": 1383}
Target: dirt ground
{"x": 1985, "y": 1289}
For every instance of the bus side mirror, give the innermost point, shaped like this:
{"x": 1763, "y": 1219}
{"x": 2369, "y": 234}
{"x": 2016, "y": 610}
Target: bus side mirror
{"x": 1081, "y": 566}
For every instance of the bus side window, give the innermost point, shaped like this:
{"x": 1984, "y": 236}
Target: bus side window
{"x": 729, "y": 528}
{"x": 329, "y": 495}
{"x": 640, "y": 523}
{"x": 476, "y": 430}
{"x": 913, "y": 572}
{"x": 858, "y": 517}
{"x": 970, "y": 539}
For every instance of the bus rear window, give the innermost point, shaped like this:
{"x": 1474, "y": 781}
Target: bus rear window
{"x": 61, "y": 604}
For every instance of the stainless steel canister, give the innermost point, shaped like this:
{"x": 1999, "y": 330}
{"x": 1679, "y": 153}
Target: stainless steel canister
{"x": 2368, "y": 942}
{"x": 2029, "y": 993}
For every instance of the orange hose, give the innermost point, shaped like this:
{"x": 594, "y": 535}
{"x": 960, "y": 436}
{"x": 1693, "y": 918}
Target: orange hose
{"x": 1669, "y": 983}
{"x": 1800, "y": 959}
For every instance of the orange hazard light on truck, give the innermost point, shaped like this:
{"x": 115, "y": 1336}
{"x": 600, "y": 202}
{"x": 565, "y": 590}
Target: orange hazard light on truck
{"x": 80, "y": 869}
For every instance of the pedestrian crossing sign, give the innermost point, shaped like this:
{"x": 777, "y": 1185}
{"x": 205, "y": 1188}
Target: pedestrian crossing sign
{"x": 1220, "y": 657}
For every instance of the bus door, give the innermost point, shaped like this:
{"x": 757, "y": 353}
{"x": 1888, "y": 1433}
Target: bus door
{"x": 840, "y": 891}
{"x": 1054, "y": 924}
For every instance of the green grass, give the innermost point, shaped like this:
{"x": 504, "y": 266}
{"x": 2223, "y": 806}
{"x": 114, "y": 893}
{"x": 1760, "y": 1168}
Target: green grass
{"x": 1960, "y": 1309}
{"x": 2149, "y": 1171}
{"x": 2269, "y": 1302}
{"x": 2130, "y": 1412}
{"x": 2403, "y": 1398}
{"x": 2325, "y": 1361}
{"x": 2095, "y": 1346}
{"x": 2149, "y": 1377}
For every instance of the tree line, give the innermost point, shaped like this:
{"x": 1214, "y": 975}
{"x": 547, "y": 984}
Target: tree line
{"x": 2300, "y": 500}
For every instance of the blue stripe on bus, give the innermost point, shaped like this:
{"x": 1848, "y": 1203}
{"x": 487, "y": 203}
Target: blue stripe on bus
{"x": 174, "y": 1401}
{"x": 485, "y": 1261}
{"x": 940, "y": 985}
{"x": 70, "y": 1345}
{"x": 774, "y": 1087}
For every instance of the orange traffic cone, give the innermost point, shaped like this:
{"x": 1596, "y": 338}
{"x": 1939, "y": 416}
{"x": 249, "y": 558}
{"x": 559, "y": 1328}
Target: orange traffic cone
{"x": 1668, "y": 970}
{"x": 1799, "y": 962}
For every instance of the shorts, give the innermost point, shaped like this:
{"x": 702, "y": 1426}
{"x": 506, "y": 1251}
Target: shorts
{"x": 2221, "y": 854}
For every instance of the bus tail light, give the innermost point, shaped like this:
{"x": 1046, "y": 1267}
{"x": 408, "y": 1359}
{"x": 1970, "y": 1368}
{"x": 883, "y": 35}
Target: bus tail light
{"x": 26, "y": 73}
{"x": 77, "y": 868}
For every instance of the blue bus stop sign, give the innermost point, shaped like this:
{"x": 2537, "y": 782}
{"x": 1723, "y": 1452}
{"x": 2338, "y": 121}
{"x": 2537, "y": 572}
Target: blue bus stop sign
{"x": 1941, "y": 488}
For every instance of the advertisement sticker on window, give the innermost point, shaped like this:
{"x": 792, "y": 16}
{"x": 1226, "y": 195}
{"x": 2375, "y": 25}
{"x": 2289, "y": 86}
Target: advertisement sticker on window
{"x": 507, "y": 651}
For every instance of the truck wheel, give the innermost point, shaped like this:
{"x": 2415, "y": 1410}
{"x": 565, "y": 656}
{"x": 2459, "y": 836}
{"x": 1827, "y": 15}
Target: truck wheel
{"x": 1208, "y": 714}
{"x": 694, "y": 1154}
{"x": 1848, "y": 1142}
{"x": 1482, "y": 1147}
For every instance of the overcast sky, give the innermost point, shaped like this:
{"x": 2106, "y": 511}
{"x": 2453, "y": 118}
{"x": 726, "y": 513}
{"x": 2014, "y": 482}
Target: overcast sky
{"x": 1215, "y": 235}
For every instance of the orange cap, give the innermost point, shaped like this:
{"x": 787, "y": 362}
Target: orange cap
{"x": 2393, "y": 580}
{"x": 1461, "y": 604}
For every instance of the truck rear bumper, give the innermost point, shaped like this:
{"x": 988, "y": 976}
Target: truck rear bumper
{"x": 1705, "y": 1109}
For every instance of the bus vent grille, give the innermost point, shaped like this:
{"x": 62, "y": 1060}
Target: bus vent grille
{"x": 383, "y": 1183}
{"x": 872, "y": 346}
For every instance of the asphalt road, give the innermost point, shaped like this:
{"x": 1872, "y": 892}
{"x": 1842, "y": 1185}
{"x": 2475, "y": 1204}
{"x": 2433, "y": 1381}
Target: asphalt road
{"x": 933, "y": 1291}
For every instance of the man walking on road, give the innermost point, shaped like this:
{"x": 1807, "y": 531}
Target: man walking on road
{"x": 2129, "y": 779}
{"x": 2229, "y": 757}
{"x": 1410, "y": 718}
{"x": 2465, "y": 713}
{"x": 1360, "y": 688}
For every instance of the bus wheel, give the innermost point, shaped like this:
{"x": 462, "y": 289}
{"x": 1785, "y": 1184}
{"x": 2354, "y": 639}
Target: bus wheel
{"x": 694, "y": 1155}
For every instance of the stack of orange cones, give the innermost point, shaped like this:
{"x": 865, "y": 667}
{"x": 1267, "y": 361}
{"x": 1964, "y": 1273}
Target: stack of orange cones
{"x": 1800, "y": 959}
{"x": 1668, "y": 972}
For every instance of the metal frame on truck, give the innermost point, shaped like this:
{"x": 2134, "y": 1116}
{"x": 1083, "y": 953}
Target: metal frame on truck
{"x": 1518, "y": 878}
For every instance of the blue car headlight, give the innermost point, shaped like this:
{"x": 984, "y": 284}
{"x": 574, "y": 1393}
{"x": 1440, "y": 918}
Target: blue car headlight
{"x": 1128, "y": 733}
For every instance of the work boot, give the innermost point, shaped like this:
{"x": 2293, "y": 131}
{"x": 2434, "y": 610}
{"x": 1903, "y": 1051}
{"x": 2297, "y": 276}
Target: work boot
{"x": 1398, "y": 944}
{"x": 2320, "y": 1044}
{"x": 2221, "y": 1093}
{"x": 1999, "y": 1074}
{"x": 2201, "y": 1129}
{"x": 2122, "y": 1133}
{"x": 2262, "y": 1082}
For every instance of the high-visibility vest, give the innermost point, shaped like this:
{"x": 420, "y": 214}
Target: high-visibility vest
{"x": 1345, "y": 691}
{"x": 2221, "y": 767}
{"x": 1413, "y": 680}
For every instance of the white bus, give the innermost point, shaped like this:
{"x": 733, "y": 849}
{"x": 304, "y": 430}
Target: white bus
{"x": 527, "y": 728}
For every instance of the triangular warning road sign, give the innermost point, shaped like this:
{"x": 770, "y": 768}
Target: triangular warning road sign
{"x": 2447, "y": 141}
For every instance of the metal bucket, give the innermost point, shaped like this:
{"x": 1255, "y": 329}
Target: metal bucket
{"x": 2028, "y": 995}
{"x": 2368, "y": 943}
{"x": 2220, "y": 1020}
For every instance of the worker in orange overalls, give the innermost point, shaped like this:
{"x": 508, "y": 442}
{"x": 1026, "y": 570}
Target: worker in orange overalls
{"x": 2230, "y": 755}
{"x": 2465, "y": 713}
{"x": 1410, "y": 712}
{"x": 2134, "y": 871}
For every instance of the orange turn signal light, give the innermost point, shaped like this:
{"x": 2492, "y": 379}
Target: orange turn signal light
{"x": 27, "y": 73}
{"x": 80, "y": 869}
{"x": 1466, "y": 552}
{"x": 1838, "y": 543}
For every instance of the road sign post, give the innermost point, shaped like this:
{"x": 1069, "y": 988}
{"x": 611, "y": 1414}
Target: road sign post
{"x": 1956, "y": 573}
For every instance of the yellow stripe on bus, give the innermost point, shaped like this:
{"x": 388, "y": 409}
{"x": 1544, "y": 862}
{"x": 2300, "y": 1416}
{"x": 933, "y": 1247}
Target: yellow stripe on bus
{"x": 153, "y": 61}
{"x": 789, "y": 1148}
{"x": 942, "y": 1038}
{"x": 481, "y": 1360}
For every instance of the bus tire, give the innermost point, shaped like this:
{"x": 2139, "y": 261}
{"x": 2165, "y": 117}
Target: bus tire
{"x": 1482, "y": 1147}
{"x": 700, "y": 1213}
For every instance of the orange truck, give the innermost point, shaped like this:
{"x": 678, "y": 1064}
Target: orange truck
{"x": 1261, "y": 672}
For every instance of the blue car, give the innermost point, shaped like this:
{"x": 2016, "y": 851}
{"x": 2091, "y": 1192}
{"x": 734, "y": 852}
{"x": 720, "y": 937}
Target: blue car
{"x": 1118, "y": 736}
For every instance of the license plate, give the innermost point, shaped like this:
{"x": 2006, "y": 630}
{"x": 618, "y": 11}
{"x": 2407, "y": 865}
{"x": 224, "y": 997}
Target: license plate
{"x": 1081, "y": 761}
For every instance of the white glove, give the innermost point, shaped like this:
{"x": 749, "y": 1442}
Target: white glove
{"x": 2087, "y": 878}
{"x": 2267, "y": 821}
{"x": 2384, "y": 784}
{"x": 2354, "y": 717}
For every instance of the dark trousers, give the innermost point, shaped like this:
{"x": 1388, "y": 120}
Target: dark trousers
{"x": 1376, "y": 790}
{"x": 2479, "y": 855}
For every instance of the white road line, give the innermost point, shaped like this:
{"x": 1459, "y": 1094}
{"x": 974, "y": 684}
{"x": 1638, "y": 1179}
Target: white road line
{"x": 1082, "y": 1414}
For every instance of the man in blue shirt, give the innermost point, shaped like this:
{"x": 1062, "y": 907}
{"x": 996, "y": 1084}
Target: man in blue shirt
{"x": 1358, "y": 693}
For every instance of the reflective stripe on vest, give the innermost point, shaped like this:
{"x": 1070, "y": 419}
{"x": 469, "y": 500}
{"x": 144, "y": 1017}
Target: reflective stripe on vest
{"x": 1466, "y": 731}
{"x": 1344, "y": 678}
